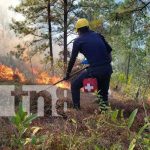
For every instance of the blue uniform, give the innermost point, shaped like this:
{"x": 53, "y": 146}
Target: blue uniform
{"x": 94, "y": 47}
{"x": 97, "y": 52}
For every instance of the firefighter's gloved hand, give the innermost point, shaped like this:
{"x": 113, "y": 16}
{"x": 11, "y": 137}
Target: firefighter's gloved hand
{"x": 67, "y": 76}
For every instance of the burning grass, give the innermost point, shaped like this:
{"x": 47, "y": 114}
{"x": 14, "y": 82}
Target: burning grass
{"x": 10, "y": 74}
{"x": 45, "y": 78}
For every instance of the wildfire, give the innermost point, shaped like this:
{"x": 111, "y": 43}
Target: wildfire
{"x": 44, "y": 78}
{"x": 7, "y": 73}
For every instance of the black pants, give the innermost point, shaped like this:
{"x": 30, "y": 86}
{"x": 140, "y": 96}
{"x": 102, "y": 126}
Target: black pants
{"x": 103, "y": 75}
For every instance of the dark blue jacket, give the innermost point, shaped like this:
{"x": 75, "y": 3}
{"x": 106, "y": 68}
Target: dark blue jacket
{"x": 94, "y": 47}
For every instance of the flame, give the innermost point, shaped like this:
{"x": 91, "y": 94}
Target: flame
{"x": 7, "y": 73}
{"x": 44, "y": 78}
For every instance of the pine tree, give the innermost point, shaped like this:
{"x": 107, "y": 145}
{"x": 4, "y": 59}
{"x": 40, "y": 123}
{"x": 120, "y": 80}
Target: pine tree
{"x": 64, "y": 13}
{"x": 34, "y": 25}
{"x": 58, "y": 14}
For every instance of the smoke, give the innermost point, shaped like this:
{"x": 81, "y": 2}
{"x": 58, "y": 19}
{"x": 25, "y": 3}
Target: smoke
{"x": 8, "y": 40}
{"x": 7, "y": 37}
{"x": 5, "y": 12}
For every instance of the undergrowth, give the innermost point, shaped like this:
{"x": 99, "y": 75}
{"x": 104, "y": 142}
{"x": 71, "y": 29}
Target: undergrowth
{"x": 108, "y": 130}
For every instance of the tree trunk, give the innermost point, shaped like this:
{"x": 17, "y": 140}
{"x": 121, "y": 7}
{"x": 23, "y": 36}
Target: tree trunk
{"x": 130, "y": 52}
{"x": 50, "y": 36}
{"x": 30, "y": 59}
{"x": 128, "y": 68}
{"x": 65, "y": 33}
{"x": 137, "y": 93}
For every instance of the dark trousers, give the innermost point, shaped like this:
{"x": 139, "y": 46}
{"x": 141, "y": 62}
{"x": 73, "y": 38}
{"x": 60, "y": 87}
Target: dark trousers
{"x": 102, "y": 75}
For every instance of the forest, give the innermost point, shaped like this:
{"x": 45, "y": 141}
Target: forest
{"x": 46, "y": 33}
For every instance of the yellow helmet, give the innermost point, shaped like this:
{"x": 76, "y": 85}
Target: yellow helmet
{"x": 81, "y": 23}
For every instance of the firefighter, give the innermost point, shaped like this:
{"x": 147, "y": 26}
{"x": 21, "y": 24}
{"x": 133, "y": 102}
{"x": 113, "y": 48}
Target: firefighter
{"x": 98, "y": 54}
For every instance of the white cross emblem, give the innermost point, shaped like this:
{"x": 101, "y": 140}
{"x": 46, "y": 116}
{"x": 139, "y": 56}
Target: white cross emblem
{"x": 89, "y": 87}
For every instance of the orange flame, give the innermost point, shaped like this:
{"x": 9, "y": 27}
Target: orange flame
{"x": 7, "y": 73}
{"x": 44, "y": 78}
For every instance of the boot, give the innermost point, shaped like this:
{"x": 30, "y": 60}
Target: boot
{"x": 76, "y": 106}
